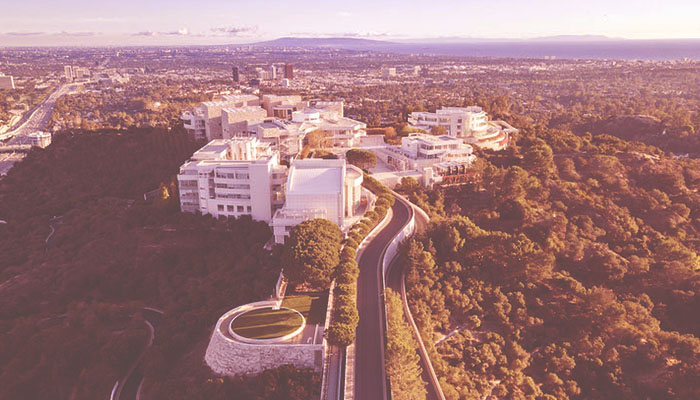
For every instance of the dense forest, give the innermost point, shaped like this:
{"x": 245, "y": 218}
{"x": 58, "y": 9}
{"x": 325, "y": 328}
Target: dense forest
{"x": 69, "y": 307}
{"x": 568, "y": 269}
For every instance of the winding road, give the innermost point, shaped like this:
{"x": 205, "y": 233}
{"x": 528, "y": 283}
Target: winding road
{"x": 395, "y": 281}
{"x": 132, "y": 383}
{"x": 370, "y": 376}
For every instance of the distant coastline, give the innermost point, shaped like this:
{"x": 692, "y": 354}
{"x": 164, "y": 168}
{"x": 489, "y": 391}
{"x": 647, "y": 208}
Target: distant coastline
{"x": 559, "y": 48}
{"x": 609, "y": 49}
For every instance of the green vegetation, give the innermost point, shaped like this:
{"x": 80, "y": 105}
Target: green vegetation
{"x": 401, "y": 359}
{"x": 311, "y": 252}
{"x": 28, "y": 96}
{"x": 345, "y": 318}
{"x": 362, "y": 159}
{"x": 145, "y": 101}
{"x": 69, "y": 314}
{"x": 311, "y": 306}
{"x": 318, "y": 139}
{"x": 266, "y": 323}
{"x": 569, "y": 270}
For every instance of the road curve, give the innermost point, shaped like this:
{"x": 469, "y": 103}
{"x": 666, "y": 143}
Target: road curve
{"x": 395, "y": 281}
{"x": 132, "y": 383}
{"x": 370, "y": 376}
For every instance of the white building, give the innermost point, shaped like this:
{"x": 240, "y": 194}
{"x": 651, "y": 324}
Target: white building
{"x": 233, "y": 177}
{"x": 68, "y": 73}
{"x": 7, "y": 82}
{"x": 204, "y": 122}
{"x": 318, "y": 188}
{"x": 388, "y": 72}
{"x": 235, "y": 121}
{"x": 290, "y": 119}
{"x": 282, "y": 106}
{"x": 328, "y": 116}
{"x": 435, "y": 157}
{"x": 471, "y": 124}
{"x": 80, "y": 72}
{"x": 39, "y": 139}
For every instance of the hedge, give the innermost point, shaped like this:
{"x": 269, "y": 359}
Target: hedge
{"x": 344, "y": 319}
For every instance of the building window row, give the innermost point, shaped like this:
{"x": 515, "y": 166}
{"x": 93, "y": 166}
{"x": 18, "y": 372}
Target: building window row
{"x": 234, "y": 196}
{"x": 239, "y": 208}
{"x": 237, "y": 175}
{"x": 232, "y": 186}
{"x": 188, "y": 184}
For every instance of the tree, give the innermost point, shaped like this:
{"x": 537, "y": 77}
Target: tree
{"x": 362, "y": 159}
{"x": 538, "y": 158}
{"x": 438, "y": 130}
{"x": 402, "y": 361}
{"x": 312, "y": 252}
{"x": 318, "y": 138}
{"x": 389, "y": 134}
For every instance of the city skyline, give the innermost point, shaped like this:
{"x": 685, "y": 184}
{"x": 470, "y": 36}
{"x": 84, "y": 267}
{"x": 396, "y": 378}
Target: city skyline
{"x": 80, "y": 23}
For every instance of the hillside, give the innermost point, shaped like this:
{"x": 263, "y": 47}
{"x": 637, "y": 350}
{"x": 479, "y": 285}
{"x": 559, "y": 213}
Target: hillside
{"x": 563, "y": 275}
{"x": 69, "y": 312}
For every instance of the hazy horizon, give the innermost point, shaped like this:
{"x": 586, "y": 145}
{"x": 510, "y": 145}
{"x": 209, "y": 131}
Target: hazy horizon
{"x": 129, "y": 22}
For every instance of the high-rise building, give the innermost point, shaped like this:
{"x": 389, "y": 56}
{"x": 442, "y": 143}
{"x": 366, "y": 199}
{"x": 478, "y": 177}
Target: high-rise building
{"x": 273, "y": 72}
{"x": 68, "y": 71}
{"x": 7, "y": 82}
{"x": 289, "y": 71}
{"x": 388, "y": 72}
{"x": 235, "y": 75}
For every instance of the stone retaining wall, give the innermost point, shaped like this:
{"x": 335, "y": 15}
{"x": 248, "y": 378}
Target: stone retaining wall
{"x": 226, "y": 356}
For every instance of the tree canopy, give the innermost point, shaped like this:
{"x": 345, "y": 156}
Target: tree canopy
{"x": 362, "y": 159}
{"x": 311, "y": 252}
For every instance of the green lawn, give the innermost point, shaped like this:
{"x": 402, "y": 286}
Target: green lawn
{"x": 311, "y": 306}
{"x": 266, "y": 323}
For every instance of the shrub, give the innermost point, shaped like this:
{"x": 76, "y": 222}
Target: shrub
{"x": 363, "y": 228}
{"x": 346, "y": 313}
{"x": 382, "y": 202}
{"x": 371, "y": 215}
{"x": 345, "y": 290}
{"x": 356, "y": 236}
{"x": 345, "y": 277}
{"x": 341, "y": 334}
{"x": 388, "y": 197}
{"x": 351, "y": 243}
{"x": 348, "y": 254}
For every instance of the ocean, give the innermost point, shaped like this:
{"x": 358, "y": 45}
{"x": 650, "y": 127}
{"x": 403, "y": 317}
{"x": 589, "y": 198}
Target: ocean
{"x": 609, "y": 49}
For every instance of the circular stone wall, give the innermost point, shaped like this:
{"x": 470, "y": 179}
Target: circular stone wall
{"x": 265, "y": 324}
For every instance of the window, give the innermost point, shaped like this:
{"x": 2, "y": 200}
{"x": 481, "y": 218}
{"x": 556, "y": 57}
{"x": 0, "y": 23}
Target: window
{"x": 240, "y": 209}
{"x": 220, "y": 207}
{"x": 229, "y": 208}
{"x": 250, "y": 209}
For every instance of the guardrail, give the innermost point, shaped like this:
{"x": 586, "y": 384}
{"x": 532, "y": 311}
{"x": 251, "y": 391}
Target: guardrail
{"x": 409, "y": 316}
{"x": 349, "y": 353}
{"x": 388, "y": 256}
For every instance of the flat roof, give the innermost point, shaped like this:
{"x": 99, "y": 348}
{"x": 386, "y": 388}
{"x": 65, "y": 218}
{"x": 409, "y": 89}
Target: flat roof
{"x": 315, "y": 180}
{"x": 213, "y": 148}
{"x": 245, "y": 109}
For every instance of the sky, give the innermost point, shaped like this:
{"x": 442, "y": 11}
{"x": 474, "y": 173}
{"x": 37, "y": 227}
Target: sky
{"x": 180, "y": 22}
